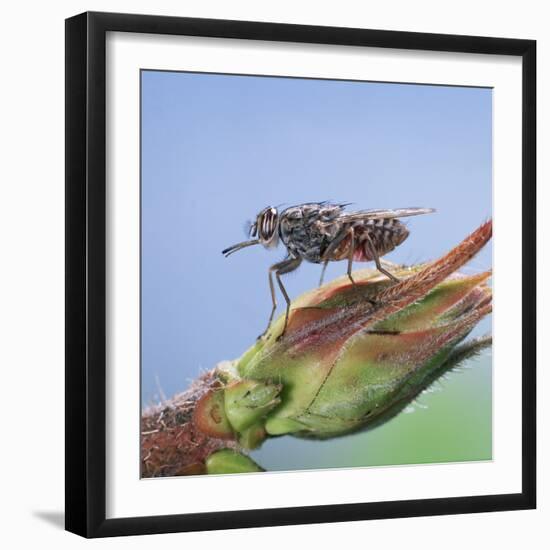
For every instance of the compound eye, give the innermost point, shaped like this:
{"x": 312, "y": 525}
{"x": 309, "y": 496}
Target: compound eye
{"x": 267, "y": 223}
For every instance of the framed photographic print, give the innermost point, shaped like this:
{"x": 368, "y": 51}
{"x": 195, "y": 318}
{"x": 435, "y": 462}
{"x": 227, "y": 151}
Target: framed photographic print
{"x": 365, "y": 347}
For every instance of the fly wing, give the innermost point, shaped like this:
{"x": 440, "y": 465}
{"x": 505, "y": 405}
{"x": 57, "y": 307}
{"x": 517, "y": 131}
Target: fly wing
{"x": 383, "y": 214}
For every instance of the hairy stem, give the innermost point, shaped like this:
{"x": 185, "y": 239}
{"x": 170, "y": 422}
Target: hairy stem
{"x": 171, "y": 445}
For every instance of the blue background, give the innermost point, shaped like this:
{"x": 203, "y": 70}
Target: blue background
{"x": 218, "y": 148}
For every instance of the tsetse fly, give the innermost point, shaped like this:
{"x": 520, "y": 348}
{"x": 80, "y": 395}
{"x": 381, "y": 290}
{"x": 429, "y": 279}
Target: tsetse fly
{"x": 321, "y": 232}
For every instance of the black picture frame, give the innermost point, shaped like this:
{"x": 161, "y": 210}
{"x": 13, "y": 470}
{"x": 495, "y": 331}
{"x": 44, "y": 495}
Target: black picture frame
{"x": 86, "y": 273}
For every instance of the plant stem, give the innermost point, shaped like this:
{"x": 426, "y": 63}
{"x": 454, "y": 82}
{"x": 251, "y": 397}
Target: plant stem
{"x": 171, "y": 445}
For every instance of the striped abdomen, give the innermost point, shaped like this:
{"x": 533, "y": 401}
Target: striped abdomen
{"x": 385, "y": 235}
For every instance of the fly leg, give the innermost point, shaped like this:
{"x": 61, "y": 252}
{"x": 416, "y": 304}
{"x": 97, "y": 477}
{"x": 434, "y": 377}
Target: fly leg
{"x": 340, "y": 236}
{"x": 350, "y": 262}
{"x": 350, "y": 254}
{"x": 290, "y": 265}
{"x": 376, "y": 258}
{"x": 323, "y": 272}
{"x": 389, "y": 264}
{"x": 273, "y": 298}
{"x": 280, "y": 268}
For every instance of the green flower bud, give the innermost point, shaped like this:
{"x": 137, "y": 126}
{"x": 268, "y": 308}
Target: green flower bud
{"x": 352, "y": 356}
{"x": 252, "y": 437}
{"x": 228, "y": 461}
{"x": 248, "y": 401}
{"x": 353, "y": 353}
